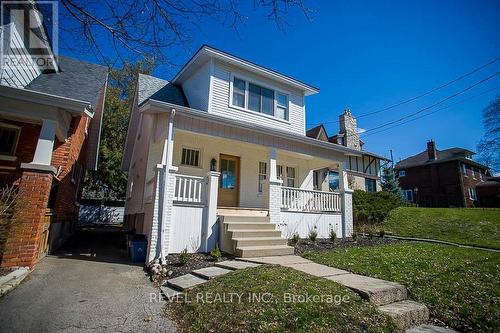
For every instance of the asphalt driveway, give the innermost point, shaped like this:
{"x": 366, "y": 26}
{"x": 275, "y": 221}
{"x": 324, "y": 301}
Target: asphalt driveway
{"x": 88, "y": 286}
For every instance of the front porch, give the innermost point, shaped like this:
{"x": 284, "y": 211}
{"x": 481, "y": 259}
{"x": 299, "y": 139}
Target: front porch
{"x": 238, "y": 190}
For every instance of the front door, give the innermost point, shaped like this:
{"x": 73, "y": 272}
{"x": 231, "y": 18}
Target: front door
{"x": 229, "y": 181}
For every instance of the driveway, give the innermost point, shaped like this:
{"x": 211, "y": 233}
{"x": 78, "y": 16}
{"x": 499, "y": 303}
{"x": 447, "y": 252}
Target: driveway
{"x": 88, "y": 286}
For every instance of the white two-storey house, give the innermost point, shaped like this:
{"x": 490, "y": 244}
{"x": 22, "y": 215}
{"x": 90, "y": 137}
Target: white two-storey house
{"x": 220, "y": 155}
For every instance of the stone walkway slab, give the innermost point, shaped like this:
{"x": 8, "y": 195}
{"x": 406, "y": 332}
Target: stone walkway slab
{"x": 378, "y": 292}
{"x": 315, "y": 269}
{"x": 430, "y": 329}
{"x": 185, "y": 282}
{"x": 168, "y": 291}
{"x": 406, "y": 313}
{"x": 236, "y": 264}
{"x": 210, "y": 272}
{"x": 279, "y": 260}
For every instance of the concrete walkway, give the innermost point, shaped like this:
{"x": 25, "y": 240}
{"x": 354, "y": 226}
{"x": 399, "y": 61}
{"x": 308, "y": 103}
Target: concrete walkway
{"x": 88, "y": 286}
{"x": 389, "y": 297}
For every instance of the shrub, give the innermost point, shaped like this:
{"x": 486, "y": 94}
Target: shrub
{"x": 333, "y": 236}
{"x": 295, "y": 239}
{"x": 184, "y": 257}
{"x": 381, "y": 233}
{"x": 313, "y": 235}
{"x": 215, "y": 253}
{"x": 354, "y": 236}
{"x": 373, "y": 208}
{"x": 9, "y": 201}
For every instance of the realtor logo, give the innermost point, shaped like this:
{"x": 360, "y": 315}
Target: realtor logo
{"x": 29, "y": 33}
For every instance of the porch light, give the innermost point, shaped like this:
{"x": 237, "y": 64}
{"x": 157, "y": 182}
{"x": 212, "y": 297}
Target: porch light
{"x": 213, "y": 165}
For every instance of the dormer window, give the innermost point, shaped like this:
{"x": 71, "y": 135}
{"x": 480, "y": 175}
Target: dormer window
{"x": 257, "y": 98}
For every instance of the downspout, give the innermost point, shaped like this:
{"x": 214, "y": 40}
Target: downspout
{"x": 166, "y": 162}
{"x": 462, "y": 187}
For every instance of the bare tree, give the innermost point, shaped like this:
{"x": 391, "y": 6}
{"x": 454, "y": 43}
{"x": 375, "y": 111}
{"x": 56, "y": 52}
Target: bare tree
{"x": 148, "y": 28}
{"x": 489, "y": 146}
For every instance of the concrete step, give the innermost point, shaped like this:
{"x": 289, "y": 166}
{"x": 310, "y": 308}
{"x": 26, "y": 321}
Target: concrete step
{"x": 378, "y": 292}
{"x": 210, "y": 272}
{"x": 236, "y": 264}
{"x": 250, "y": 219}
{"x": 406, "y": 313}
{"x": 263, "y": 251}
{"x": 253, "y": 233}
{"x": 232, "y": 226}
{"x": 430, "y": 329}
{"x": 260, "y": 241}
{"x": 231, "y": 211}
{"x": 185, "y": 282}
{"x": 169, "y": 292}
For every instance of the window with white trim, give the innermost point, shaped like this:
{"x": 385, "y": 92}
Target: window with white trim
{"x": 408, "y": 194}
{"x": 9, "y": 136}
{"x": 472, "y": 193}
{"x": 464, "y": 169}
{"x": 190, "y": 157}
{"x": 262, "y": 175}
{"x": 480, "y": 174}
{"x": 279, "y": 172}
{"x": 290, "y": 176}
{"x": 472, "y": 172}
{"x": 402, "y": 173}
{"x": 257, "y": 98}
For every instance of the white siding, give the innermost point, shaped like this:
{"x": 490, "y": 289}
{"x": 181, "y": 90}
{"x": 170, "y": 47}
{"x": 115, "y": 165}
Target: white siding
{"x": 197, "y": 88}
{"x": 221, "y": 101}
{"x": 303, "y": 223}
{"x": 13, "y": 74}
{"x": 187, "y": 222}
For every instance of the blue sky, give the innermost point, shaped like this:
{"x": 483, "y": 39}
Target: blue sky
{"x": 367, "y": 55}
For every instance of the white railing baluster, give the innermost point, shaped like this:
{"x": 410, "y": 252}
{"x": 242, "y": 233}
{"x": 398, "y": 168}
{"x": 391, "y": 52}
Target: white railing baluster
{"x": 296, "y": 199}
{"x": 189, "y": 189}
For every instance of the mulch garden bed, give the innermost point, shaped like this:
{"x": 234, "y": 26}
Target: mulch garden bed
{"x": 324, "y": 244}
{"x": 196, "y": 261}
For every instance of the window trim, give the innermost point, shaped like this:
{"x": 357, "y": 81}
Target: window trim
{"x": 260, "y": 185}
{"x": 263, "y": 85}
{"x": 374, "y": 182}
{"x": 464, "y": 169}
{"x": 12, "y": 156}
{"x": 295, "y": 178}
{"x": 401, "y": 173}
{"x": 472, "y": 193}
{"x": 200, "y": 158}
{"x": 406, "y": 197}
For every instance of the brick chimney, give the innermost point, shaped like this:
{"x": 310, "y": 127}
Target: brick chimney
{"x": 431, "y": 150}
{"x": 349, "y": 128}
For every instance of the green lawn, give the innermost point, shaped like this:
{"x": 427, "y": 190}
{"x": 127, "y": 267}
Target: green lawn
{"x": 479, "y": 227}
{"x": 275, "y": 313}
{"x": 460, "y": 286}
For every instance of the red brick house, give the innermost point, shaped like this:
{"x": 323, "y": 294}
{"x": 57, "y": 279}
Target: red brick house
{"x": 49, "y": 136}
{"x": 441, "y": 178}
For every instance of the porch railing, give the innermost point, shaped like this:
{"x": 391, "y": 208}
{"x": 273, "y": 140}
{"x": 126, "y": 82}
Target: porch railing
{"x": 189, "y": 189}
{"x": 296, "y": 199}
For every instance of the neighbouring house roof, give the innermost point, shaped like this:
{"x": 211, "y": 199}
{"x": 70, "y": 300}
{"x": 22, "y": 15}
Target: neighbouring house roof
{"x": 75, "y": 79}
{"x": 206, "y": 52}
{"x": 162, "y": 90}
{"x": 490, "y": 182}
{"x": 442, "y": 156}
{"x": 316, "y": 132}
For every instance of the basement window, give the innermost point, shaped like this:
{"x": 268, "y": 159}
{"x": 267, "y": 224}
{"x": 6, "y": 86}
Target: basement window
{"x": 190, "y": 157}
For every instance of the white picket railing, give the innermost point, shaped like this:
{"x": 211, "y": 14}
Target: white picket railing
{"x": 296, "y": 199}
{"x": 189, "y": 189}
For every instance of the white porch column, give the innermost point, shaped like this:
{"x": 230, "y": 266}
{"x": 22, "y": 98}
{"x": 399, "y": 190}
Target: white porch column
{"x": 347, "y": 213}
{"x": 274, "y": 190}
{"x": 211, "y": 215}
{"x": 45, "y": 145}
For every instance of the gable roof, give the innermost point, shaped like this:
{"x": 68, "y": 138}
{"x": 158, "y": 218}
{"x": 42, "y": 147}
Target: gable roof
{"x": 206, "y": 52}
{"x": 75, "y": 79}
{"x": 316, "y": 132}
{"x": 446, "y": 155}
{"x": 161, "y": 90}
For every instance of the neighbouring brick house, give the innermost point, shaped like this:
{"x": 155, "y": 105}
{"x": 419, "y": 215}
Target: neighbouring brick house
{"x": 441, "y": 178}
{"x": 50, "y": 122}
{"x": 363, "y": 171}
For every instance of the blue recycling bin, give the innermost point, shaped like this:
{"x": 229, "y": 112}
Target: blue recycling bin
{"x": 138, "y": 247}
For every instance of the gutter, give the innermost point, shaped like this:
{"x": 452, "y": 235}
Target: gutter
{"x": 203, "y": 115}
{"x": 69, "y": 104}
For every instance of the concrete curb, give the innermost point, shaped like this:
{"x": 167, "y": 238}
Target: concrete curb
{"x": 12, "y": 280}
{"x": 430, "y": 240}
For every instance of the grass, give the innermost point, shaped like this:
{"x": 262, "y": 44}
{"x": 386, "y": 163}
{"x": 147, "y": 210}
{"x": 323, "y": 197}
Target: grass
{"x": 460, "y": 286}
{"x": 275, "y": 313}
{"x": 472, "y": 226}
